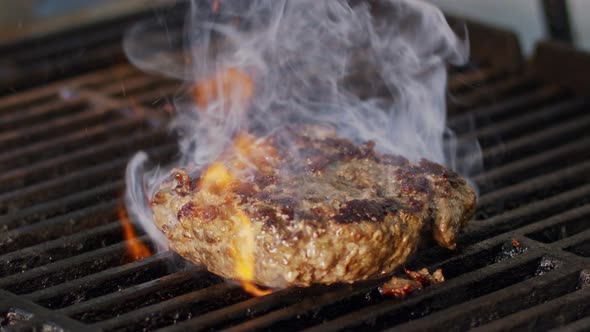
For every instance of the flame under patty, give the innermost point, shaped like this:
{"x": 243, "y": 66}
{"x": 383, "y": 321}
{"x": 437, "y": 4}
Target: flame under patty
{"x": 303, "y": 206}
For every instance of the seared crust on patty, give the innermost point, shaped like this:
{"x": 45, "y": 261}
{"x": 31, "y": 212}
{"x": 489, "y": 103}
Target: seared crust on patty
{"x": 318, "y": 209}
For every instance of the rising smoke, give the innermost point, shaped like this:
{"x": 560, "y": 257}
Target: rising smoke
{"x": 372, "y": 70}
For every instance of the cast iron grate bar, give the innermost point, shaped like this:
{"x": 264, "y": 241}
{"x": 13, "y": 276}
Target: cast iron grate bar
{"x": 529, "y": 214}
{"x": 103, "y": 282}
{"x": 35, "y": 316}
{"x": 132, "y": 298}
{"x": 59, "y": 226}
{"x": 51, "y": 251}
{"x": 470, "y": 79}
{"x": 80, "y": 159}
{"x": 76, "y": 181}
{"x": 493, "y": 92}
{"x": 537, "y": 142}
{"x": 181, "y": 307}
{"x": 567, "y": 308}
{"x": 580, "y": 325}
{"x": 71, "y": 142}
{"x": 550, "y": 160}
{"x": 66, "y": 204}
{"x": 41, "y": 113}
{"x": 67, "y": 269}
{"x": 36, "y": 62}
{"x": 552, "y": 115}
{"x": 505, "y": 108}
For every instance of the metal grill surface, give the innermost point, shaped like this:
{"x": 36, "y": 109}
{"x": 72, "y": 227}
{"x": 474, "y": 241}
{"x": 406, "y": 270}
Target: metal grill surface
{"x": 523, "y": 263}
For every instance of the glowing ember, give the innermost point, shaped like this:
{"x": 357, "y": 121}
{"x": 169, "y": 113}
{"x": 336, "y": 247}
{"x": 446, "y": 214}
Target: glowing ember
{"x": 231, "y": 85}
{"x": 135, "y": 249}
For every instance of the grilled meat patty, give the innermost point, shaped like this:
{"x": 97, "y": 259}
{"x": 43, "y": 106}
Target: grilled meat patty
{"x": 303, "y": 206}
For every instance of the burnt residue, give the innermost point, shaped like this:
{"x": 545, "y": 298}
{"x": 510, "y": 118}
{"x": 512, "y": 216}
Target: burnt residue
{"x": 192, "y": 210}
{"x": 358, "y": 210}
{"x": 547, "y": 264}
{"x": 13, "y": 317}
{"x": 183, "y": 183}
{"x": 510, "y": 250}
{"x": 584, "y": 279}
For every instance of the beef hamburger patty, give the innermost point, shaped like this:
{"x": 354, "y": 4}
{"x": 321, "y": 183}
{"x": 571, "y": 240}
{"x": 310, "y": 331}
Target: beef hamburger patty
{"x": 303, "y": 206}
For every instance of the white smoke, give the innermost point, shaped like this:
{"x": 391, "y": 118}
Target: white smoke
{"x": 373, "y": 70}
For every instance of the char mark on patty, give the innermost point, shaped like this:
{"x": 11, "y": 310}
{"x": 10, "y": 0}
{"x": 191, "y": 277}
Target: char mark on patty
{"x": 358, "y": 210}
{"x": 437, "y": 170}
{"x": 393, "y": 160}
{"x": 192, "y": 210}
{"x": 184, "y": 183}
{"x": 315, "y": 155}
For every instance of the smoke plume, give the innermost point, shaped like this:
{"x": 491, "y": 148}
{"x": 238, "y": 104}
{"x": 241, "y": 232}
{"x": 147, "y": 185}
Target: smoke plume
{"x": 372, "y": 70}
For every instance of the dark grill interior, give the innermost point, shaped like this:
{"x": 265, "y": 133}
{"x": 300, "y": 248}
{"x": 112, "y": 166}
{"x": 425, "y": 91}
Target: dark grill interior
{"x": 524, "y": 263}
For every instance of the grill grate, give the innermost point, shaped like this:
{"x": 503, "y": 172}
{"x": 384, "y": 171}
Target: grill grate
{"x": 36, "y": 62}
{"x": 524, "y": 261}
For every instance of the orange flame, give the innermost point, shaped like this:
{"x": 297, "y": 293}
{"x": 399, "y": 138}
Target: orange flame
{"x": 252, "y": 289}
{"x": 233, "y": 84}
{"x": 249, "y": 151}
{"x": 135, "y": 249}
{"x": 218, "y": 180}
